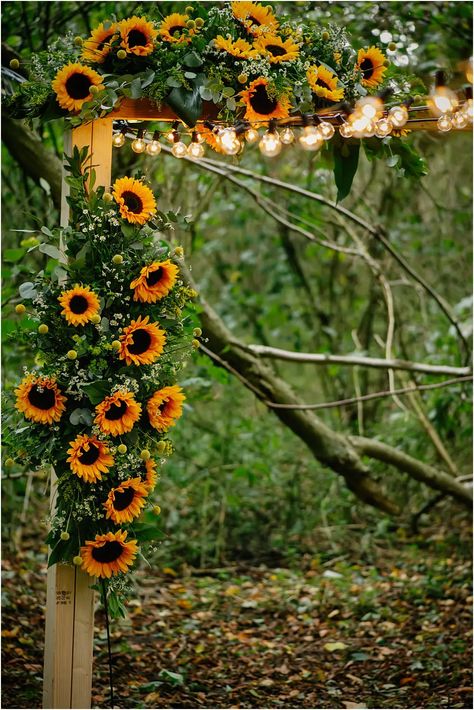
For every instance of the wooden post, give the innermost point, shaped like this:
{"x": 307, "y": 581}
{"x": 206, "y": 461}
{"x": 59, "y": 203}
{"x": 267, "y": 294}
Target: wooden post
{"x": 70, "y": 600}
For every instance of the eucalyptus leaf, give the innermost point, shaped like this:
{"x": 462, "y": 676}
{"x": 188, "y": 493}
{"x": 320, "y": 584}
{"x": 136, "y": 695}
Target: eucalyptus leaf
{"x": 27, "y": 290}
{"x": 50, "y": 250}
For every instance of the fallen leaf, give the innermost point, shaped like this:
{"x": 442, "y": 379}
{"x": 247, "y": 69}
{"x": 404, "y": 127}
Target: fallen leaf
{"x": 335, "y": 646}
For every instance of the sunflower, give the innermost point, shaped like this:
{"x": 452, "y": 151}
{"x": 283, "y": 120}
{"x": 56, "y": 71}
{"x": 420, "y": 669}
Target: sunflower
{"x": 89, "y": 458}
{"x": 108, "y": 554}
{"x": 276, "y": 49}
{"x": 138, "y": 36}
{"x": 118, "y": 413}
{"x": 371, "y": 64}
{"x": 125, "y": 502}
{"x": 148, "y": 474}
{"x": 239, "y": 48}
{"x": 135, "y": 200}
{"x": 141, "y": 342}
{"x": 40, "y": 399}
{"x": 155, "y": 281}
{"x": 323, "y": 83}
{"x": 173, "y": 28}
{"x": 254, "y": 17}
{"x": 97, "y": 47}
{"x": 262, "y": 106}
{"x": 80, "y": 305}
{"x": 72, "y": 85}
{"x": 165, "y": 407}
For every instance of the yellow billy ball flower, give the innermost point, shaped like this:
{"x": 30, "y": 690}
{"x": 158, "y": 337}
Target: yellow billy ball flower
{"x": 242, "y": 78}
{"x": 392, "y": 46}
{"x": 195, "y": 344}
{"x": 72, "y": 354}
{"x": 116, "y": 344}
{"x": 43, "y": 329}
{"x": 94, "y": 89}
{"x": 95, "y": 319}
{"x": 325, "y": 36}
{"x": 199, "y": 22}
{"x": 108, "y": 197}
{"x": 78, "y": 41}
{"x": 14, "y": 64}
{"x": 145, "y": 455}
{"x": 9, "y": 462}
{"x": 117, "y": 259}
{"x": 122, "y": 449}
{"x": 188, "y": 9}
{"x": 179, "y": 252}
{"x": 20, "y": 309}
{"x": 190, "y": 24}
{"x": 197, "y": 332}
{"x": 161, "y": 447}
{"x": 156, "y": 509}
{"x": 121, "y": 54}
{"x": 65, "y": 535}
{"x": 77, "y": 560}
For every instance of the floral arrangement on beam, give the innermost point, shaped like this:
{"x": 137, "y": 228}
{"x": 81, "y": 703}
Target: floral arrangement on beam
{"x": 110, "y": 325}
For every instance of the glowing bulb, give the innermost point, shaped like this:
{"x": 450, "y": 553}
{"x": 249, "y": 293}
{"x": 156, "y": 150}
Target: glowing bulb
{"x": 444, "y": 124}
{"x": 346, "y": 130}
{"x": 251, "y": 135}
{"x": 383, "y": 128}
{"x": 229, "y": 142}
{"x": 138, "y": 145}
{"x": 153, "y": 148}
{"x": 118, "y": 140}
{"x": 179, "y": 149}
{"x": 287, "y": 136}
{"x": 311, "y": 138}
{"x": 326, "y": 130}
{"x": 370, "y": 106}
{"x": 170, "y": 136}
{"x": 195, "y": 150}
{"x": 467, "y": 110}
{"x": 361, "y": 125}
{"x": 270, "y": 145}
{"x": 460, "y": 120}
{"x": 442, "y": 101}
{"x": 398, "y": 116}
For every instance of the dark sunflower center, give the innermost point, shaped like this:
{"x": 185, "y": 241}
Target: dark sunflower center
{"x": 367, "y": 68}
{"x": 102, "y": 44}
{"x": 78, "y": 86}
{"x": 42, "y": 400}
{"x": 116, "y": 411}
{"x": 321, "y": 82}
{"x": 136, "y": 38}
{"x": 176, "y": 28}
{"x": 141, "y": 342}
{"x": 254, "y": 20}
{"x": 78, "y": 305}
{"x": 132, "y": 202}
{"x": 276, "y": 50}
{"x": 261, "y": 102}
{"x": 109, "y": 552}
{"x": 155, "y": 276}
{"x": 123, "y": 499}
{"x": 87, "y": 458}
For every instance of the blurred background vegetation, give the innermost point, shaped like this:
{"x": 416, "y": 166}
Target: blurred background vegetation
{"x": 241, "y": 485}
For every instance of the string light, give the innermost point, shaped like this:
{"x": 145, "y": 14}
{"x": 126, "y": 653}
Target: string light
{"x": 362, "y": 127}
{"x": 251, "y": 135}
{"x": 467, "y": 106}
{"x": 459, "y": 120}
{"x": 326, "y": 130}
{"x": 195, "y": 148}
{"x": 118, "y": 139}
{"x": 170, "y": 134}
{"x": 139, "y": 145}
{"x": 228, "y": 141}
{"x": 442, "y": 100}
{"x": 383, "y": 128}
{"x": 270, "y": 145}
{"x": 444, "y": 123}
{"x": 311, "y": 138}
{"x": 346, "y": 130}
{"x": 370, "y": 106}
{"x": 287, "y": 136}
{"x": 154, "y": 148}
{"x": 398, "y": 116}
{"x": 179, "y": 148}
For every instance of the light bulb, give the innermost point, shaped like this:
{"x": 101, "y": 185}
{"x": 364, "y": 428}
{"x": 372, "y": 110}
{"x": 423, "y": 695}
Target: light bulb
{"x": 383, "y": 128}
{"x": 179, "y": 149}
{"x": 444, "y": 124}
{"x": 442, "y": 101}
{"x": 170, "y": 136}
{"x": 251, "y": 135}
{"x": 326, "y": 130}
{"x": 270, "y": 145}
{"x": 467, "y": 110}
{"x": 460, "y": 120}
{"x": 228, "y": 141}
{"x": 370, "y": 106}
{"x": 361, "y": 125}
{"x": 311, "y": 138}
{"x": 118, "y": 140}
{"x": 153, "y": 148}
{"x": 138, "y": 145}
{"x": 346, "y": 130}
{"x": 398, "y": 116}
{"x": 287, "y": 136}
{"x": 195, "y": 150}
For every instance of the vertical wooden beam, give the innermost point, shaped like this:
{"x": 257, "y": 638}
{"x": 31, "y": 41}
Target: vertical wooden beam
{"x": 69, "y": 633}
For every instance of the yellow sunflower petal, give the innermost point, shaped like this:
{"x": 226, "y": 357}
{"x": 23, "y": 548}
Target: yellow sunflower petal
{"x": 135, "y": 200}
{"x": 72, "y": 85}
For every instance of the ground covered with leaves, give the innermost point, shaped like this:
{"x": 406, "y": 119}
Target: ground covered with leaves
{"x": 330, "y": 632}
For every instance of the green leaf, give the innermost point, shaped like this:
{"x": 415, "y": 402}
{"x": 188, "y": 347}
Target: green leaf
{"x": 346, "y": 160}
{"x": 81, "y": 416}
{"x": 27, "y": 290}
{"x": 170, "y": 677}
{"x": 147, "y": 532}
{"x": 136, "y": 89}
{"x": 50, "y": 250}
{"x": 192, "y": 60}
{"x": 187, "y": 105}
{"x": 96, "y": 391}
{"x": 13, "y": 254}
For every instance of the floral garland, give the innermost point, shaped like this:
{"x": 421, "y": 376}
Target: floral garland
{"x": 236, "y": 55}
{"x": 110, "y": 339}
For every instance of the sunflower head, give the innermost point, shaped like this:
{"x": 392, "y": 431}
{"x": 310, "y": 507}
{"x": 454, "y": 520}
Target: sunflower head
{"x": 275, "y": 49}
{"x": 97, "y": 47}
{"x": 72, "y": 85}
{"x": 117, "y": 413}
{"x": 40, "y": 399}
{"x": 155, "y": 281}
{"x": 138, "y": 36}
{"x": 260, "y": 105}
{"x": 239, "y": 48}
{"x": 324, "y": 84}
{"x": 174, "y": 29}
{"x": 80, "y": 305}
{"x": 165, "y": 407}
{"x": 371, "y": 64}
{"x": 148, "y": 474}
{"x": 125, "y": 502}
{"x": 135, "y": 200}
{"x": 89, "y": 458}
{"x": 141, "y": 342}
{"x": 256, "y": 19}
{"x": 108, "y": 554}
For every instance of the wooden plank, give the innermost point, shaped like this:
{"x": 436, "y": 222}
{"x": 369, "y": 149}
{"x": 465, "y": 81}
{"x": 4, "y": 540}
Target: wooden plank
{"x": 69, "y": 632}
